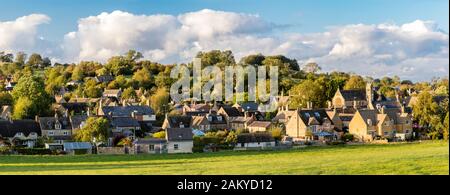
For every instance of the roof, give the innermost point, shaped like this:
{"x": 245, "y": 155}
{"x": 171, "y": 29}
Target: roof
{"x": 104, "y": 78}
{"x": 254, "y": 137}
{"x": 150, "y": 141}
{"x": 124, "y": 111}
{"x": 48, "y": 123}
{"x": 179, "y": 134}
{"x": 232, "y": 111}
{"x": 314, "y": 116}
{"x": 350, "y": 95}
{"x": 83, "y": 100}
{"x": 369, "y": 114}
{"x": 283, "y": 115}
{"x": 175, "y": 121}
{"x": 263, "y": 124}
{"x": 6, "y": 111}
{"x": 9, "y": 129}
{"x": 249, "y": 106}
{"x": 111, "y": 92}
{"x": 198, "y": 132}
{"x": 77, "y": 120}
{"x": 77, "y": 145}
{"x": 124, "y": 122}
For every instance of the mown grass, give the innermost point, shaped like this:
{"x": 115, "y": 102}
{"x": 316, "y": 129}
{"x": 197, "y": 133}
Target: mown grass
{"x": 412, "y": 158}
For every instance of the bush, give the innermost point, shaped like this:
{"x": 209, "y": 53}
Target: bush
{"x": 333, "y": 143}
{"x": 348, "y": 137}
{"x": 5, "y": 150}
{"x": 33, "y": 151}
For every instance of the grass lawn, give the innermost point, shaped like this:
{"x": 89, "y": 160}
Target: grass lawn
{"x": 412, "y": 158}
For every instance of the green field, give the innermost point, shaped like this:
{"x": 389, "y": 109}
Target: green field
{"x": 412, "y": 158}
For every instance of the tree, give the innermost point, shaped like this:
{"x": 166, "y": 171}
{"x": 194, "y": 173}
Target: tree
{"x": 91, "y": 89}
{"x": 306, "y": 91}
{"x": 35, "y": 60}
{"x": 77, "y": 73}
{"x": 277, "y": 133}
{"x": 159, "y": 100}
{"x": 22, "y": 108}
{"x": 160, "y": 135}
{"x": 5, "y": 99}
{"x": 312, "y": 67}
{"x": 144, "y": 78}
{"x": 429, "y": 115}
{"x": 216, "y": 58}
{"x": 125, "y": 142}
{"x": 94, "y": 128}
{"x": 32, "y": 87}
{"x": 355, "y": 82}
{"x": 119, "y": 65}
{"x": 6, "y": 57}
{"x": 129, "y": 93}
{"x": 446, "y": 126}
{"x": 118, "y": 83}
{"x": 20, "y": 58}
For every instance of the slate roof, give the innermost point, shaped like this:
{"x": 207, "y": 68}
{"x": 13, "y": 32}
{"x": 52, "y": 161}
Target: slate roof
{"x": 317, "y": 116}
{"x": 124, "y": 122}
{"x": 77, "y": 120}
{"x": 48, "y": 123}
{"x": 174, "y": 121}
{"x": 111, "y": 92}
{"x": 124, "y": 111}
{"x": 254, "y": 137}
{"x": 369, "y": 114}
{"x": 232, "y": 111}
{"x": 150, "y": 141}
{"x": 350, "y": 95}
{"x": 104, "y": 78}
{"x": 249, "y": 106}
{"x": 179, "y": 134}
{"x": 9, "y": 129}
{"x": 264, "y": 124}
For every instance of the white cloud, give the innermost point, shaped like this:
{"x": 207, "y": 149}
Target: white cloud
{"x": 416, "y": 50}
{"x": 21, "y": 34}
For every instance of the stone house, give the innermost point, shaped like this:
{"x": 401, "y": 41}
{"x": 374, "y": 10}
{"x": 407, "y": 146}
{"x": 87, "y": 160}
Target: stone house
{"x": 311, "y": 124}
{"x": 179, "y": 140}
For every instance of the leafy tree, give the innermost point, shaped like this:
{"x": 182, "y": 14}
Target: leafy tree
{"x": 118, "y": 65}
{"x": 217, "y": 58}
{"x": 231, "y": 138}
{"x": 277, "y": 133}
{"x": 120, "y": 82}
{"x": 126, "y": 141}
{"x": 6, "y": 57}
{"x": 312, "y": 67}
{"x": 159, "y": 100}
{"x": 77, "y": 74}
{"x": 32, "y": 87}
{"x": 355, "y": 82}
{"x": 144, "y": 78}
{"x": 92, "y": 90}
{"x": 129, "y": 93}
{"x": 306, "y": 91}
{"x": 22, "y": 108}
{"x": 5, "y": 99}
{"x": 94, "y": 128}
{"x": 429, "y": 114}
{"x": 35, "y": 60}
{"x": 20, "y": 58}
{"x": 253, "y": 59}
{"x": 160, "y": 135}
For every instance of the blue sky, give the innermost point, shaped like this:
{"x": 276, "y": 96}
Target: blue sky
{"x": 407, "y": 38}
{"x": 301, "y": 15}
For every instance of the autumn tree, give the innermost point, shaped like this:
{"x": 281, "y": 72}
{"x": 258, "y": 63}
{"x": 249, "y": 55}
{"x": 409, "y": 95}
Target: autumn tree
{"x": 95, "y": 128}
{"x": 159, "y": 99}
{"x": 33, "y": 88}
{"x": 355, "y": 82}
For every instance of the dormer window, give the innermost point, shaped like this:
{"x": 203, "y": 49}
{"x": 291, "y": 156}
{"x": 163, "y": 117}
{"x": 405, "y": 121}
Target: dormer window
{"x": 209, "y": 118}
{"x": 369, "y": 122}
{"x": 181, "y": 125}
{"x": 219, "y": 118}
{"x": 57, "y": 125}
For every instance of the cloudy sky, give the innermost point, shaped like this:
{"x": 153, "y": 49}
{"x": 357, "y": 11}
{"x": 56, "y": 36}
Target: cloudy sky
{"x": 408, "y": 38}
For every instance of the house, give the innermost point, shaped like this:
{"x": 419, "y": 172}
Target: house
{"x": 309, "y": 124}
{"x": 259, "y": 126}
{"x": 78, "y": 122}
{"x": 350, "y": 98}
{"x": 179, "y": 140}
{"x": 240, "y": 122}
{"x": 77, "y": 147}
{"x": 177, "y": 122}
{"x": 368, "y": 124}
{"x": 5, "y": 112}
{"x": 104, "y": 79}
{"x": 126, "y": 126}
{"x": 20, "y": 132}
{"x": 283, "y": 116}
{"x": 209, "y": 122}
{"x": 402, "y": 121}
{"x": 150, "y": 146}
{"x": 251, "y": 108}
{"x": 196, "y": 107}
{"x": 140, "y": 113}
{"x": 58, "y": 128}
{"x": 255, "y": 140}
{"x": 113, "y": 94}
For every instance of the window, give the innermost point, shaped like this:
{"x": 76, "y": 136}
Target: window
{"x": 175, "y": 146}
{"x": 307, "y": 115}
{"x": 369, "y": 122}
{"x": 51, "y": 133}
{"x": 386, "y": 133}
{"x": 151, "y": 147}
{"x": 317, "y": 114}
{"x": 407, "y": 131}
{"x": 219, "y": 118}
{"x": 407, "y": 121}
{"x": 66, "y": 133}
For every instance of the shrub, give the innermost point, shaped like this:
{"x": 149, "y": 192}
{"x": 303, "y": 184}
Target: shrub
{"x": 348, "y": 137}
{"x": 161, "y": 135}
{"x": 5, "y": 150}
{"x": 33, "y": 151}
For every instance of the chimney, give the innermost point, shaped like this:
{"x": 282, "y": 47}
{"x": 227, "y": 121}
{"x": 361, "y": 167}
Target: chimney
{"x": 355, "y": 104}
{"x": 88, "y": 111}
{"x": 124, "y": 103}
{"x": 403, "y": 109}
{"x": 382, "y": 109}
{"x": 245, "y": 115}
{"x": 56, "y": 114}
{"x": 329, "y": 104}
{"x": 36, "y": 118}
{"x": 148, "y": 102}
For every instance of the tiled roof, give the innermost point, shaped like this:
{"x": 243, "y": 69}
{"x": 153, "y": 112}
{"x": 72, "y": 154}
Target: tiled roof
{"x": 232, "y": 112}
{"x": 150, "y": 141}
{"x": 264, "y": 124}
{"x": 175, "y": 121}
{"x": 124, "y": 122}
{"x": 350, "y": 95}
{"x": 123, "y": 111}
{"x": 317, "y": 115}
{"x": 369, "y": 114}
{"x": 179, "y": 134}
{"x": 77, "y": 120}
{"x": 9, "y": 129}
{"x": 48, "y": 123}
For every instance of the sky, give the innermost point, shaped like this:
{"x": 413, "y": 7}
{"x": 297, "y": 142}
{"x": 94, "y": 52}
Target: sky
{"x": 408, "y": 38}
